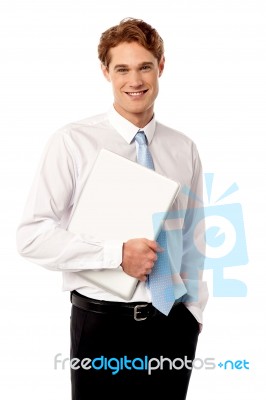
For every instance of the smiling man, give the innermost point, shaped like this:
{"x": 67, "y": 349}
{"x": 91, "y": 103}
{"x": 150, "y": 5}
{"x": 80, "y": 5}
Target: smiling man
{"x": 111, "y": 345}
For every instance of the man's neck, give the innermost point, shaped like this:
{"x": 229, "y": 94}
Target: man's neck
{"x": 138, "y": 119}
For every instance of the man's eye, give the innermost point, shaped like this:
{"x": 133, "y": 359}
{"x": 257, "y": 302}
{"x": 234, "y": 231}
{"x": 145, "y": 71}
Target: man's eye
{"x": 122, "y": 70}
{"x": 146, "y": 67}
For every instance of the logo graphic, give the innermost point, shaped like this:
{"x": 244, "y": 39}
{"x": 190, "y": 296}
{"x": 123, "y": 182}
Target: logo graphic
{"x": 225, "y": 241}
{"x": 215, "y": 238}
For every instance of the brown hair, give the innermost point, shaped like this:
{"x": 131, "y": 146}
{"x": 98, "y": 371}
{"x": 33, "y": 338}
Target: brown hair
{"x": 130, "y": 30}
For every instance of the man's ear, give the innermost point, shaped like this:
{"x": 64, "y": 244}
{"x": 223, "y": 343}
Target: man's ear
{"x": 161, "y": 65}
{"x": 105, "y": 72}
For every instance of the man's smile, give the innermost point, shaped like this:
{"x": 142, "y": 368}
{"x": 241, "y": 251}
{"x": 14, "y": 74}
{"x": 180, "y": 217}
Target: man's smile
{"x": 136, "y": 94}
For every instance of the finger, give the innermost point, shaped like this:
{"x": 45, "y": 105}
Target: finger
{"x": 143, "y": 278}
{"x": 152, "y": 244}
{"x": 152, "y": 258}
{"x": 148, "y": 272}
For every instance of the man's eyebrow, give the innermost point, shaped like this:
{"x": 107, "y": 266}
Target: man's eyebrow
{"x": 117, "y": 66}
{"x": 120, "y": 66}
{"x": 146, "y": 63}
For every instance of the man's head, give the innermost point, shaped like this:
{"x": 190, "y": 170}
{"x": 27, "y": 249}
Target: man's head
{"x": 132, "y": 59}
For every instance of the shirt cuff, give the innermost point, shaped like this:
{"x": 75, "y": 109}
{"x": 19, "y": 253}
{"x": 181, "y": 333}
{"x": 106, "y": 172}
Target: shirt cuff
{"x": 113, "y": 252}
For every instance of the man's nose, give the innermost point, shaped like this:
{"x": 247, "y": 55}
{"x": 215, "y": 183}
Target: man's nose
{"x": 136, "y": 79}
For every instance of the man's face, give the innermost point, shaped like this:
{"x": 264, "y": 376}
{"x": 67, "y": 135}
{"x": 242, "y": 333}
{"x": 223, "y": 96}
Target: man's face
{"x": 134, "y": 73}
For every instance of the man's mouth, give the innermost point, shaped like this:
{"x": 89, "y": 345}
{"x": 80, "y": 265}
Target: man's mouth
{"x": 136, "y": 94}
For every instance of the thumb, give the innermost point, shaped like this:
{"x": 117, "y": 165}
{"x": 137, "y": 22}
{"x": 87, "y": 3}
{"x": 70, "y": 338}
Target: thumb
{"x": 154, "y": 246}
{"x": 159, "y": 248}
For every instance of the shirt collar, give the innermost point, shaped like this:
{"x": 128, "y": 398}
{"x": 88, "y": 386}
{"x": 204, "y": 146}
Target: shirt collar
{"x": 128, "y": 130}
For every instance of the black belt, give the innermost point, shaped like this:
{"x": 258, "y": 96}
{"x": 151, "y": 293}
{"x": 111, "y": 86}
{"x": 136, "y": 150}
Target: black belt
{"x": 137, "y": 310}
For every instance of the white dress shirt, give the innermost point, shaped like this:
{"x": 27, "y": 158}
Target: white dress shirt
{"x": 42, "y": 237}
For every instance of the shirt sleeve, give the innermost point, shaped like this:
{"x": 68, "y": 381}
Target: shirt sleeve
{"x": 41, "y": 236}
{"x": 194, "y": 244}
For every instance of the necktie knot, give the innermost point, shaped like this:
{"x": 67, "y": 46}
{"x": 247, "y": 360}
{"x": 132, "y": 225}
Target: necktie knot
{"x": 144, "y": 156}
{"x": 141, "y": 138}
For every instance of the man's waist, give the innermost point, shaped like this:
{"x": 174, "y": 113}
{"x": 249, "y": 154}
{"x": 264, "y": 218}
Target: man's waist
{"x": 139, "y": 311}
{"x": 141, "y": 294}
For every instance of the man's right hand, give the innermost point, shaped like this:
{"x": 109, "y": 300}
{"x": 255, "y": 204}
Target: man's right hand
{"x": 139, "y": 256}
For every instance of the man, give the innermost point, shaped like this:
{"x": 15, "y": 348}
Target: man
{"x": 118, "y": 349}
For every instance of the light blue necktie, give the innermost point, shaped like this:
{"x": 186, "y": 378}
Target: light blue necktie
{"x": 160, "y": 280}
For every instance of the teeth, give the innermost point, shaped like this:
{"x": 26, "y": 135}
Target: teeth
{"x": 135, "y": 93}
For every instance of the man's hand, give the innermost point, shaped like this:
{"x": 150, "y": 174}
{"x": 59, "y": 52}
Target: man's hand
{"x": 139, "y": 256}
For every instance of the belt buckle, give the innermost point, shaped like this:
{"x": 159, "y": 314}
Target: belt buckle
{"x": 137, "y": 311}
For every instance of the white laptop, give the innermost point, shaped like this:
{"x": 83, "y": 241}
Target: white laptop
{"x": 118, "y": 201}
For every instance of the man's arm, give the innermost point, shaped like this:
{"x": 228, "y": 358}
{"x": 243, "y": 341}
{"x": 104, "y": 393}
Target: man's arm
{"x": 193, "y": 258}
{"x": 41, "y": 235}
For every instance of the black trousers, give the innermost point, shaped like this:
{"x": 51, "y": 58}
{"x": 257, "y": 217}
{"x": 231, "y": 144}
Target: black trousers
{"x": 111, "y": 354}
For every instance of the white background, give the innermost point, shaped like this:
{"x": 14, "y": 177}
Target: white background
{"x": 213, "y": 89}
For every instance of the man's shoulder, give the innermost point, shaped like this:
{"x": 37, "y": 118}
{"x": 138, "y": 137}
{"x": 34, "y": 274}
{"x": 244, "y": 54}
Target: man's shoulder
{"x": 85, "y": 125}
{"x": 94, "y": 120}
{"x": 172, "y": 133}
